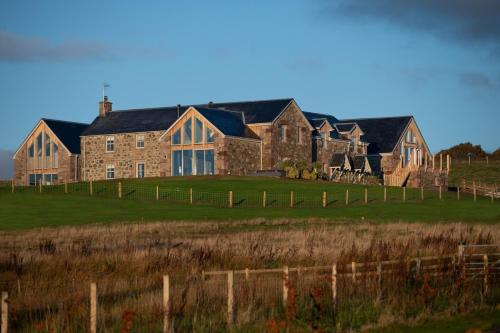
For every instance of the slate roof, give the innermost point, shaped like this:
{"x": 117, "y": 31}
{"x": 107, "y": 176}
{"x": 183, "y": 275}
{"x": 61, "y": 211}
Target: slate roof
{"x": 68, "y": 132}
{"x": 345, "y": 127}
{"x": 312, "y": 116}
{"x": 228, "y": 122}
{"x": 316, "y": 123}
{"x": 157, "y": 119}
{"x": 382, "y": 133}
{"x": 137, "y": 120}
{"x": 264, "y": 111}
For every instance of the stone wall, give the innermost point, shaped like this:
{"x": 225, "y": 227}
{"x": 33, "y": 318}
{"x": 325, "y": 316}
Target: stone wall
{"x": 325, "y": 150}
{"x": 291, "y": 149}
{"x": 20, "y": 165}
{"x": 237, "y": 156}
{"x": 125, "y": 157}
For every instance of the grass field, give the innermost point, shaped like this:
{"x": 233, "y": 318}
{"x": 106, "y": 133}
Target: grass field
{"x": 478, "y": 171}
{"x": 52, "y": 207}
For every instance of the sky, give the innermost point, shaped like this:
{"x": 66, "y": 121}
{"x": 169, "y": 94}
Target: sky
{"x": 438, "y": 60}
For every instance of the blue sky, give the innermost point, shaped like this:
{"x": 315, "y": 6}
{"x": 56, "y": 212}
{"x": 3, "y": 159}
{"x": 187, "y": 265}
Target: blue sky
{"x": 347, "y": 58}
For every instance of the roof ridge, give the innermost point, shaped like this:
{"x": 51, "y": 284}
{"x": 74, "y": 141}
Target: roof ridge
{"x": 256, "y": 101}
{"x": 64, "y": 121}
{"x": 370, "y": 118}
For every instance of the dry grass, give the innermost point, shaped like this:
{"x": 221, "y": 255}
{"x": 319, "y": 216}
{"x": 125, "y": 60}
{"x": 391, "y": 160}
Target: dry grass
{"x": 47, "y": 271}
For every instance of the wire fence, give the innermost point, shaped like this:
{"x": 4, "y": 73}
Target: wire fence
{"x": 335, "y": 194}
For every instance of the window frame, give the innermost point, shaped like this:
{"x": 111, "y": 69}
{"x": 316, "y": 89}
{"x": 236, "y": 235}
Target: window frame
{"x": 212, "y": 140}
{"x": 112, "y": 140}
{"x": 282, "y": 133}
{"x": 108, "y": 168}
{"x": 189, "y": 123}
{"x": 140, "y": 138}
{"x": 143, "y": 169}
{"x": 195, "y": 122}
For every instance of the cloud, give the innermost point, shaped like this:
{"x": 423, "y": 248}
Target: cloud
{"x": 475, "y": 79}
{"x": 457, "y": 20}
{"x": 18, "y": 48}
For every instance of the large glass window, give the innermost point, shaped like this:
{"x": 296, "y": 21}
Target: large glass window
{"x": 110, "y": 144}
{"x": 31, "y": 151}
{"x": 198, "y": 131}
{"x": 55, "y": 153}
{"x": 32, "y": 179}
{"x": 39, "y": 143}
{"x": 199, "y": 162}
{"x": 110, "y": 171}
{"x": 176, "y": 137}
{"x": 140, "y": 170}
{"x": 187, "y": 162}
{"x": 209, "y": 162}
{"x": 209, "y": 133}
{"x": 177, "y": 163}
{"x": 188, "y": 132}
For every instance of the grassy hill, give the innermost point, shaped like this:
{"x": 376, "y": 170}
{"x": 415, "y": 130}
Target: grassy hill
{"x": 52, "y": 207}
{"x": 478, "y": 171}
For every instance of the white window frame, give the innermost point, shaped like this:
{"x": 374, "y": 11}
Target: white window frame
{"x": 283, "y": 133}
{"x": 108, "y": 167}
{"x": 110, "y": 138}
{"x": 137, "y": 169}
{"x": 139, "y": 138}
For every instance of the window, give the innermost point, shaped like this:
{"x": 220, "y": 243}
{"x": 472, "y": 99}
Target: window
{"x": 209, "y": 135}
{"x": 139, "y": 141}
{"x": 31, "y": 151}
{"x": 187, "y": 162}
{"x": 199, "y": 163}
{"x": 47, "y": 145}
{"x": 188, "y": 133}
{"x": 39, "y": 143}
{"x": 55, "y": 151}
{"x": 140, "y": 170}
{"x": 299, "y": 135}
{"x": 49, "y": 179}
{"x": 198, "y": 131}
{"x": 110, "y": 171}
{"x": 209, "y": 162}
{"x": 282, "y": 130}
{"x": 110, "y": 144}
{"x": 177, "y": 163}
{"x": 176, "y": 137}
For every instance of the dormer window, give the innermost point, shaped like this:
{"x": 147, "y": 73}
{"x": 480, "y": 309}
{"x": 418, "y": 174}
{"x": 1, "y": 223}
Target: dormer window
{"x": 110, "y": 144}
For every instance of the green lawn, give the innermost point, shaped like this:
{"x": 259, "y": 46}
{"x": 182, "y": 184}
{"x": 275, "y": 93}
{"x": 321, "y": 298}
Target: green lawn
{"x": 484, "y": 320}
{"x": 28, "y": 208}
{"x": 478, "y": 171}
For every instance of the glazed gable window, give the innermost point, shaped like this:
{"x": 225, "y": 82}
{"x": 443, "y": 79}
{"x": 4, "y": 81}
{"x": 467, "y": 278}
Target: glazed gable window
{"x": 110, "y": 144}
{"x": 188, "y": 131}
{"x": 139, "y": 141}
{"x": 176, "y": 137}
{"x": 198, "y": 131}
{"x": 209, "y": 134}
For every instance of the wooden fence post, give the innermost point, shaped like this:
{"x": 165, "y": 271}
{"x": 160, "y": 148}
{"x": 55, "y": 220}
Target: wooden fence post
{"x": 157, "y": 193}
{"x": 334, "y": 288}
{"x": 191, "y": 195}
{"x": 440, "y": 192}
{"x": 404, "y": 194}
{"x": 347, "y": 197}
{"x": 5, "y": 312}
{"x": 324, "y": 200}
{"x": 90, "y": 188}
{"x": 285, "y": 285}
{"x": 366, "y": 195}
{"x": 353, "y": 269}
{"x": 385, "y": 194}
{"x": 440, "y": 162}
{"x": 230, "y": 298}
{"x": 458, "y": 192}
{"x": 469, "y": 159}
{"x": 230, "y": 199}
{"x": 433, "y": 163}
{"x": 291, "y": 199}
{"x": 487, "y": 160}
{"x": 379, "y": 282}
{"x": 93, "y": 308}
{"x": 12, "y": 183}
{"x": 448, "y": 163}
{"x": 166, "y": 304}
{"x": 264, "y": 195}
{"x": 422, "y": 193}
{"x": 485, "y": 269}
{"x": 474, "y": 189}
{"x": 40, "y": 186}
{"x": 120, "y": 190}
{"x": 65, "y": 187}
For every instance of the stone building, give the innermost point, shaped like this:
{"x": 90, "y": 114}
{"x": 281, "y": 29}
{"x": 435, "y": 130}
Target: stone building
{"x": 234, "y": 138}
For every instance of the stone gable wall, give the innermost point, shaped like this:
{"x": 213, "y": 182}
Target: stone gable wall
{"x": 324, "y": 151}
{"x": 125, "y": 157}
{"x": 237, "y": 156}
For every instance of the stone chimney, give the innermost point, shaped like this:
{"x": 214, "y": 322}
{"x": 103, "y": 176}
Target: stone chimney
{"x": 105, "y": 107}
